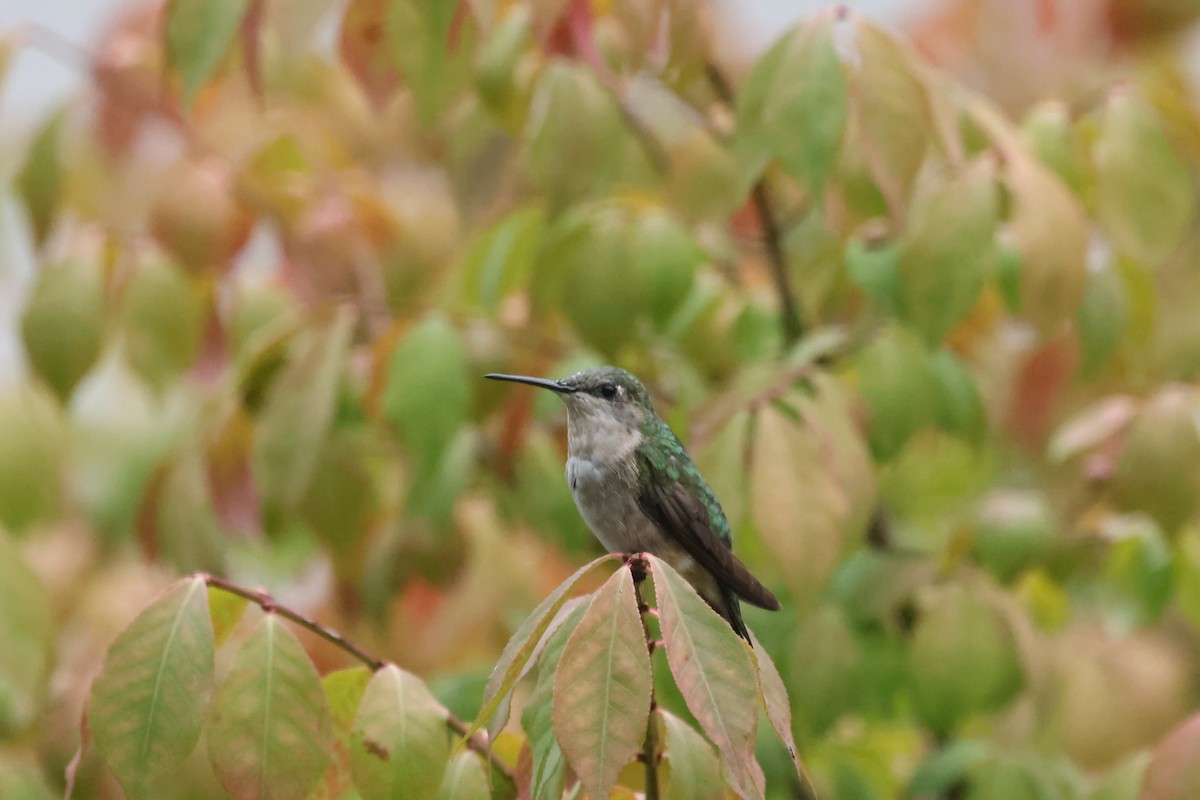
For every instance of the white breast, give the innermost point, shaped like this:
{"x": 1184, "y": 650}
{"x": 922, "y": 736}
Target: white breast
{"x": 602, "y": 475}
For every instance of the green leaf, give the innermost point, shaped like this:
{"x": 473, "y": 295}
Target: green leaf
{"x": 893, "y": 112}
{"x": 418, "y": 40}
{"x": 26, "y": 628}
{"x": 695, "y": 771}
{"x": 523, "y": 644}
{"x": 714, "y": 671}
{"x": 226, "y": 610}
{"x": 1157, "y": 467}
{"x": 876, "y": 270}
{"x": 1140, "y": 564}
{"x": 795, "y": 102}
{"x": 148, "y": 702}
{"x": 270, "y": 731}
{"x": 667, "y": 256}
{"x": 602, "y": 687}
{"x": 958, "y": 406}
{"x": 572, "y": 120}
{"x": 604, "y": 286}
{"x": 428, "y": 390}
{"x": 121, "y": 437}
{"x": 546, "y": 781}
{"x": 40, "y": 179}
{"x": 1101, "y": 319}
{"x": 62, "y": 326}
{"x": 344, "y": 689}
{"x": 21, "y": 775}
{"x": 162, "y": 320}
{"x": 33, "y": 452}
{"x": 401, "y": 744}
{"x": 962, "y": 656}
{"x": 899, "y": 387}
{"x": 466, "y": 778}
{"x": 188, "y": 529}
{"x": 299, "y": 411}
{"x": 946, "y": 249}
{"x": 1145, "y": 194}
{"x": 199, "y": 34}
{"x": 826, "y": 667}
{"x": 1047, "y": 128}
{"x": 945, "y": 768}
{"x": 501, "y": 258}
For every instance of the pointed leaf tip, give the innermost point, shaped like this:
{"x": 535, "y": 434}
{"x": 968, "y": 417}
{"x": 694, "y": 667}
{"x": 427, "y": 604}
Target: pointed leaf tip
{"x": 602, "y": 687}
{"x": 271, "y": 728}
{"x": 714, "y": 671}
{"x": 400, "y": 744}
{"x": 148, "y": 701}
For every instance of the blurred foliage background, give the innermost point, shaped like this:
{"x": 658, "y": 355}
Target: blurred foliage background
{"x": 921, "y": 303}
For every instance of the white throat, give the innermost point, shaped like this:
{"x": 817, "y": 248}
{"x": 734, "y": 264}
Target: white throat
{"x": 600, "y": 438}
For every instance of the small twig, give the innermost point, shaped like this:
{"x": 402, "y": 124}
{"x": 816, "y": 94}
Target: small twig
{"x": 268, "y": 604}
{"x": 649, "y": 754}
{"x": 793, "y": 324}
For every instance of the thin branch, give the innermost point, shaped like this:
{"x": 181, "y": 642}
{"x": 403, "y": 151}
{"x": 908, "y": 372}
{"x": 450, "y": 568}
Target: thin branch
{"x": 270, "y": 605}
{"x": 793, "y": 324}
{"x": 649, "y": 754}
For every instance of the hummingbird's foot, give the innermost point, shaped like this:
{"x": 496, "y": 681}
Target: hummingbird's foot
{"x": 638, "y": 566}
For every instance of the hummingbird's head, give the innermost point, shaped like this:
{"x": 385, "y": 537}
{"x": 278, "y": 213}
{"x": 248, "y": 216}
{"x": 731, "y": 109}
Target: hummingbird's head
{"x": 601, "y": 394}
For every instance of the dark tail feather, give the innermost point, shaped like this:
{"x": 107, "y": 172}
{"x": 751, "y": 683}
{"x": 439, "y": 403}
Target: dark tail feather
{"x": 733, "y": 614}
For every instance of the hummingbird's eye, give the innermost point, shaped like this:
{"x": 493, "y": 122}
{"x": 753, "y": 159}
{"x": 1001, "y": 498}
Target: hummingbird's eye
{"x": 608, "y": 390}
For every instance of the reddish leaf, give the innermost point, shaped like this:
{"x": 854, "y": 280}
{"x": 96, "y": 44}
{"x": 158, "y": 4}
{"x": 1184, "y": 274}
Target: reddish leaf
{"x": 715, "y": 672}
{"x": 602, "y": 687}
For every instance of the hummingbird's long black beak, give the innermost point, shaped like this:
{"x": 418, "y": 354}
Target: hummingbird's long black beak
{"x": 545, "y": 383}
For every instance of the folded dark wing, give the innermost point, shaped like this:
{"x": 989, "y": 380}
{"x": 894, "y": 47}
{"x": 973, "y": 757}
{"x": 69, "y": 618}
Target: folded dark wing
{"x": 683, "y": 515}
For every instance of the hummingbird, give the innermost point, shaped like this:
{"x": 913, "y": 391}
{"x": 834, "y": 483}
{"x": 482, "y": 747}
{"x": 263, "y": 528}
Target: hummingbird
{"x": 639, "y": 492}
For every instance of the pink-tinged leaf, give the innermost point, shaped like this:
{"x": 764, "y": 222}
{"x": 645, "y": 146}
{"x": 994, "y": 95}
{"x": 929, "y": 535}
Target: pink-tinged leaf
{"x": 521, "y": 647}
{"x": 363, "y": 47}
{"x": 271, "y": 728}
{"x": 1050, "y": 231}
{"x": 199, "y": 34}
{"x": 400, "y": 745}
{"x": 773, "y": 695}
{"x": 1047, "y": 226}
{"x": 695, "y": 770}
{"x": 466, "y": 778}
{"x": 1145, "y": 194}
{"x": 1092, "y": 427}
{"x": 251, "y": 35}
{"x": 148, "y": 701}
{"x": 893, "y": 112}
{"x": 1174, "y": 769}
{"x": 602, "y": 687}
{"x": 344, "y": 689}
{"x": 714, "y": 671}
{"x": 799, "y": 506}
